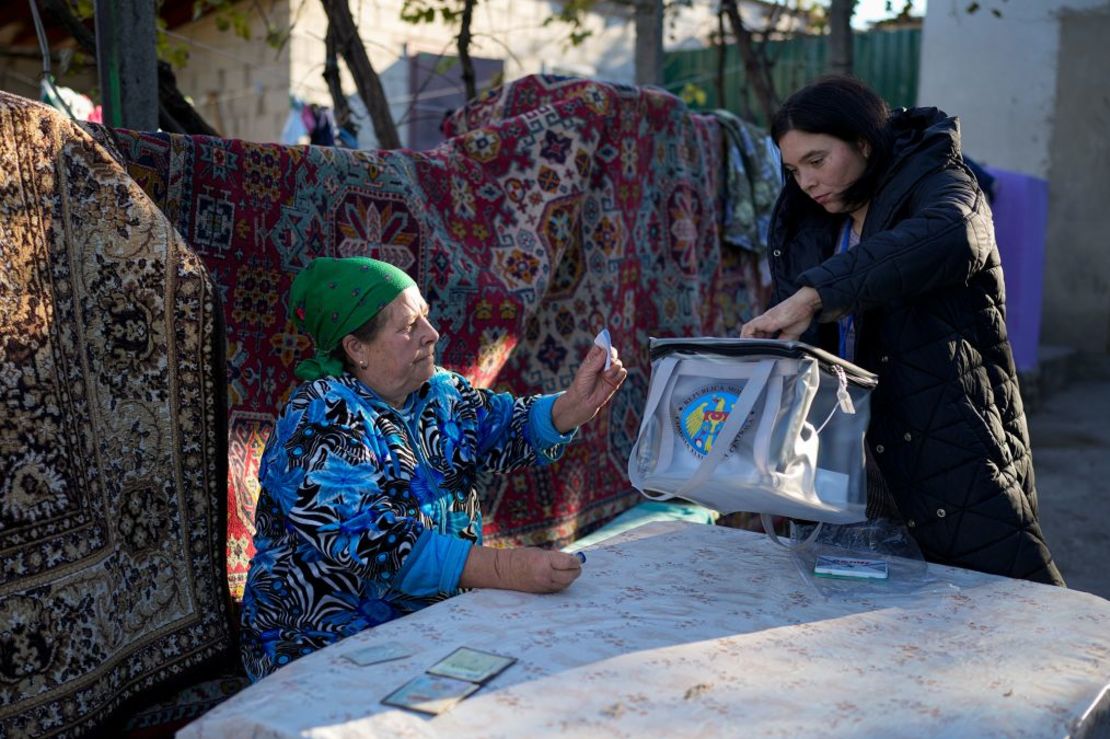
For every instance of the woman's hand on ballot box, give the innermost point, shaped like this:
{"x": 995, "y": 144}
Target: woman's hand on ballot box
{"x": 788, "y": 320}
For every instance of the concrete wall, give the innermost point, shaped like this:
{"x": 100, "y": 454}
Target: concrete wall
{"x": 1077, "y": 270}
{"x": 241, "y": 87}
{"x": 1031, "y": 93}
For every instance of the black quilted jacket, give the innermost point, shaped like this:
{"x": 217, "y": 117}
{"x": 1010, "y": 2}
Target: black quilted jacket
{"x": 925, "y": 284}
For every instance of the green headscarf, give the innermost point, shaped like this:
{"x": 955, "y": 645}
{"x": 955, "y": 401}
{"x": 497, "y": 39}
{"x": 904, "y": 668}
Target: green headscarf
{"x": 331, "y": 297}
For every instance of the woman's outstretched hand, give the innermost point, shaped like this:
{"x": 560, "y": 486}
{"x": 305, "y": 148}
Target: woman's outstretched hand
{"x": 527, "y": 569}
{"x": 788, "y": 320}
{"x": 589, "y": 391}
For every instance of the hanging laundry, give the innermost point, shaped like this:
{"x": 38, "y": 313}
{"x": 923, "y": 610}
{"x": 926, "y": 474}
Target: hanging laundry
{"x": 67, "y": 100}
{"x": 319, "y": 123}
{"x": 294, "y": 130}
{"x": 752, "y": 182}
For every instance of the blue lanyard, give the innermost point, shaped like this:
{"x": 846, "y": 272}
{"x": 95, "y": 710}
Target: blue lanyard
{"x": 845, "y": 323}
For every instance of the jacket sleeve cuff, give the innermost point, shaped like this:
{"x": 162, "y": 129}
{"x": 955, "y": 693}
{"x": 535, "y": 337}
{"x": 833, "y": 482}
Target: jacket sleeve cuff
{"x": 434, "y": 565}
{"x": 830, "y": 310}
{"x": 546, "y": 439}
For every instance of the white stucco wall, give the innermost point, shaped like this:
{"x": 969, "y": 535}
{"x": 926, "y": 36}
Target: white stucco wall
{"x": 1032, "y": 103}
{"x": 998, "y": 74}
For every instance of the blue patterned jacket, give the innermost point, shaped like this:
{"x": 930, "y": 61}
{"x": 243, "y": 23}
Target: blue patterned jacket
{"x": 368, "y": 512}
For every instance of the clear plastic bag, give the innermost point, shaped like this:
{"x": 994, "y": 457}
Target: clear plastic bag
{"x": 880, "y": 540}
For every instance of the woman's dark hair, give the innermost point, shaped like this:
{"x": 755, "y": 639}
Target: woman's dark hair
{"x": 364, "y": 333}
{"x": 851, "y": 111}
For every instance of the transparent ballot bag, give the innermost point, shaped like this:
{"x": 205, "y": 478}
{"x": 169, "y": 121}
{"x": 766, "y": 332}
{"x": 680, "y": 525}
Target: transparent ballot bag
{"x": 760, "y": 425}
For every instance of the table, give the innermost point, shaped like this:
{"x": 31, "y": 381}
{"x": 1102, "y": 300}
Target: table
{"x": 677, "y": 629}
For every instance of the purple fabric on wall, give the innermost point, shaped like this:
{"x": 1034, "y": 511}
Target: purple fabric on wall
{"x": 1020, "y": 217}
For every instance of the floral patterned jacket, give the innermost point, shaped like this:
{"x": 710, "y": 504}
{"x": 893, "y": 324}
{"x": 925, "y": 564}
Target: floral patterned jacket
{"x": 367, "y": 512}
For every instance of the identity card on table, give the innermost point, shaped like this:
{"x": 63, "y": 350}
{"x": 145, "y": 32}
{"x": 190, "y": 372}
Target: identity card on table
{"x": 430, "y": 694}
{"x": 372, "y": 654}
{"x": 471, "y": 664}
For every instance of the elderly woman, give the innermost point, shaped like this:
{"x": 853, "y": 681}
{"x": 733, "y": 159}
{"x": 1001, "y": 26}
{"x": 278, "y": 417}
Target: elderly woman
{"x": 368, "y": 508}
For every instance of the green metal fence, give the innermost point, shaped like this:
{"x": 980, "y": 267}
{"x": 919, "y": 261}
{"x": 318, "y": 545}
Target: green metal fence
{"x": 889, "y": 61}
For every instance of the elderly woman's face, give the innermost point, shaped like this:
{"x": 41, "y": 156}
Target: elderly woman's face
{"x": 401, "y": 356}
{"x": 823, "y": 166}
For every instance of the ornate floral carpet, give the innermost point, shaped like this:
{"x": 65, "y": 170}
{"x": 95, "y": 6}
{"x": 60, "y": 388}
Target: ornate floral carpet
{"x": 112, "y": 476}
{"x": 557, "y": 207}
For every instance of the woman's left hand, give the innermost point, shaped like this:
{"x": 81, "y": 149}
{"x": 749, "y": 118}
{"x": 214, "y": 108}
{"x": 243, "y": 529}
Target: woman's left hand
{"x": 589, "y": 391}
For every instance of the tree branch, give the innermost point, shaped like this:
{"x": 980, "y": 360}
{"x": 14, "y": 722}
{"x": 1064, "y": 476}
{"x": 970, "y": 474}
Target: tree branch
{"x": 366, "y": 79}
{"x": 464, "y": 49}
{"x": 331, "y": 76}
{"x": 756, "y": 73}
{"x": 840, "y": 36}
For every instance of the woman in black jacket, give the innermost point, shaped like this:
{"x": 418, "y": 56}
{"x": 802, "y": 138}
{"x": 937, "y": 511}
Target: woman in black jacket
{"x": 882, "y": 250}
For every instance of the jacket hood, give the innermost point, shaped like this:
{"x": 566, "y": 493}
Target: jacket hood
{"x": 927, "y": 137}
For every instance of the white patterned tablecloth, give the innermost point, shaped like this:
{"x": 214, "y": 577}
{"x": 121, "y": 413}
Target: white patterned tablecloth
{"x": 682, "y": 630}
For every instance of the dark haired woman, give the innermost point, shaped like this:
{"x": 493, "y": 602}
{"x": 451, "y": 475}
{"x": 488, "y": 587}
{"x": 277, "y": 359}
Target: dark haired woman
{"x": 882, "y": 250}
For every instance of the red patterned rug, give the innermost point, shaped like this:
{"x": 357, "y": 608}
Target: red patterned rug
{"x": 558, "y": 207}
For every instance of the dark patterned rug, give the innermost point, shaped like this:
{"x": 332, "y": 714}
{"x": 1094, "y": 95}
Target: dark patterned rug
{"x": 113, "y": 464}
{"x": 557, "y": 208}
{"x": 162, "y": 719}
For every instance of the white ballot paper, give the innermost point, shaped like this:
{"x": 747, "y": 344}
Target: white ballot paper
{"x": 605, "y": 341}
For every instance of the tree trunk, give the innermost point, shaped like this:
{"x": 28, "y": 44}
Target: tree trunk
{"x": 722, "y": 52}
{"x": 840, "y": 36}
{"x": 755, "y": 68}
{"x": 127, "y": 63}
{"x": 466, "y": 64}
{"x": 366, "y": 79}
{"x": 175, "y": 113}
{"x": 648, "y": 55}
{"x": 331, "y": 77}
